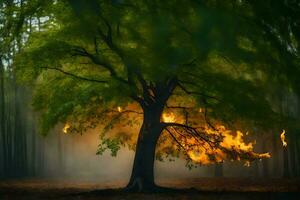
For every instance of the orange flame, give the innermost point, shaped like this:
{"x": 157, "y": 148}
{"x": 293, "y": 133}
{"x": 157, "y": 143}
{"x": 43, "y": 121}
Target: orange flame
{"x": 119, "y": 109}
{"x": 204, "y": 153}
{"x": 66, "y": 128}
{"x": 217, "y": 144}
{"x": 282, "y": 137}
{"x": 168, "y": 117}
{"x": 236, "y": 142}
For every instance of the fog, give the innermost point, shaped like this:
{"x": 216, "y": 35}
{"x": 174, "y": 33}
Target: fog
{"x": 73, "y": 156}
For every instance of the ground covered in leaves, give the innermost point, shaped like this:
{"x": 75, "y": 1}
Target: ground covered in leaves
{"x": 204, "y": 189}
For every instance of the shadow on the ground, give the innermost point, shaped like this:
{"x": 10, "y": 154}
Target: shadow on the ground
{"x": 204, "y": 189}
{"x": 119, "y": 194}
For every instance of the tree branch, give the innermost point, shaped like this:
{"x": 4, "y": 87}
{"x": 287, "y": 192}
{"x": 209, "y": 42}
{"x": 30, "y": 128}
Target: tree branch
{"x": 80, "y": 51}
{"x": 74, "y": 75}
{"x": 127, "y": 111}
{"x": 192, "y": 131}
{"x": 196, "y": 93}
{"x": 179, "y": 107}
{"x": 108, "y": 39}
{"x": 207, "y": 121}
{"x": 175, "y": 139}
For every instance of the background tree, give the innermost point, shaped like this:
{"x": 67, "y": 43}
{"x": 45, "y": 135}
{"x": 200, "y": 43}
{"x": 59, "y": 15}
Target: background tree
{"x": 209, "y": 62}
{"x": 16, "y": 21}
{"x": 283, "y": 32}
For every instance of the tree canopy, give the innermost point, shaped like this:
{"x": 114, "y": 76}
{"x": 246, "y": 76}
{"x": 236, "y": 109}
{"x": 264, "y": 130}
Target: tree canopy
{"x": 90, "y": 59}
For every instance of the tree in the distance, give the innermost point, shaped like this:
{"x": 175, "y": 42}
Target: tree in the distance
{"x": 206, "y": 63}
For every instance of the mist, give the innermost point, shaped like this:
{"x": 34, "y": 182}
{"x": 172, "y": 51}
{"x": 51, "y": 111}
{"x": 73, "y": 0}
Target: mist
{"x": 73, "y": 156}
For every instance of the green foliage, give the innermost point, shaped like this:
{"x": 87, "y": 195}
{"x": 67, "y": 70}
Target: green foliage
{"x": 221, "y": 49}
{"x": 112, "y": 144}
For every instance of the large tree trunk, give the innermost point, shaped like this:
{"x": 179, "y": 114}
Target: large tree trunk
{"x": 142, "y": 177}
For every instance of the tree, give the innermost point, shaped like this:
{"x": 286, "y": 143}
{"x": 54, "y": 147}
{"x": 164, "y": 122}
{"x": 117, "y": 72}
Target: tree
{"x": 208, "y": 62}
{"x": 284, "y": 34}
{"x": 15, "y": 27}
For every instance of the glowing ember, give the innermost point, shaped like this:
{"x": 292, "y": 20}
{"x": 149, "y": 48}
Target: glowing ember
{"x": 168, "y": 117}
{"x": 119, "y": 109}
{"x": 66, "y": 127}
{"x": 282, "y": 137}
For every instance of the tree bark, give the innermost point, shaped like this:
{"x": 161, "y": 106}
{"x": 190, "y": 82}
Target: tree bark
{"x": 142, "y": 176}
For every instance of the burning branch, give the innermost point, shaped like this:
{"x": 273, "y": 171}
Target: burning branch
{"x": 205, "y": 145}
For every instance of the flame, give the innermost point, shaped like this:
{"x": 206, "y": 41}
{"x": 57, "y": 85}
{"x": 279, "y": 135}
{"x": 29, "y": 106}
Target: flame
{"x": 282, "y": 137}
{"x": 235, "y": 142}
{"x": 198, "y": 156}
{"x": 119, "y": 109}
{"x": 66, "y": 128}
{"x": 168, "y": 117}
{"x": 171, "y": 117}
{"x": 229, "y": 147}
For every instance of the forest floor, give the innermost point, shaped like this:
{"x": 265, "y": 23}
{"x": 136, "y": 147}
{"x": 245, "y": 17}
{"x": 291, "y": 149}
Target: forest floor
{"x": 205, "y": 189}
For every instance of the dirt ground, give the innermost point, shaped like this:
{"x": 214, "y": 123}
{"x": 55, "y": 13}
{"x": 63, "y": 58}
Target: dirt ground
{"x": 204, "y": 189}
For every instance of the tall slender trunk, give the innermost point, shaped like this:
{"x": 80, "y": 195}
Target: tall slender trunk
{"x": 265, "y": 162}
{"x": 142, "y": 176}
{"x": 297, "y": 156}
{"x": 20, "y": 126}
{"x": 218, "y": 170}
{"x": 286, "y": 171}
{"x": 32, "y": 144}
{"x": 275, "y": 154}
{"x": 2, "y": 121}
{"x": 256, "y": 169}
{"x": 292, "y": 150}
{"x": 9, "y": 130}
{"x": 60, "y": 149}
{"x": 17, "y": 135}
